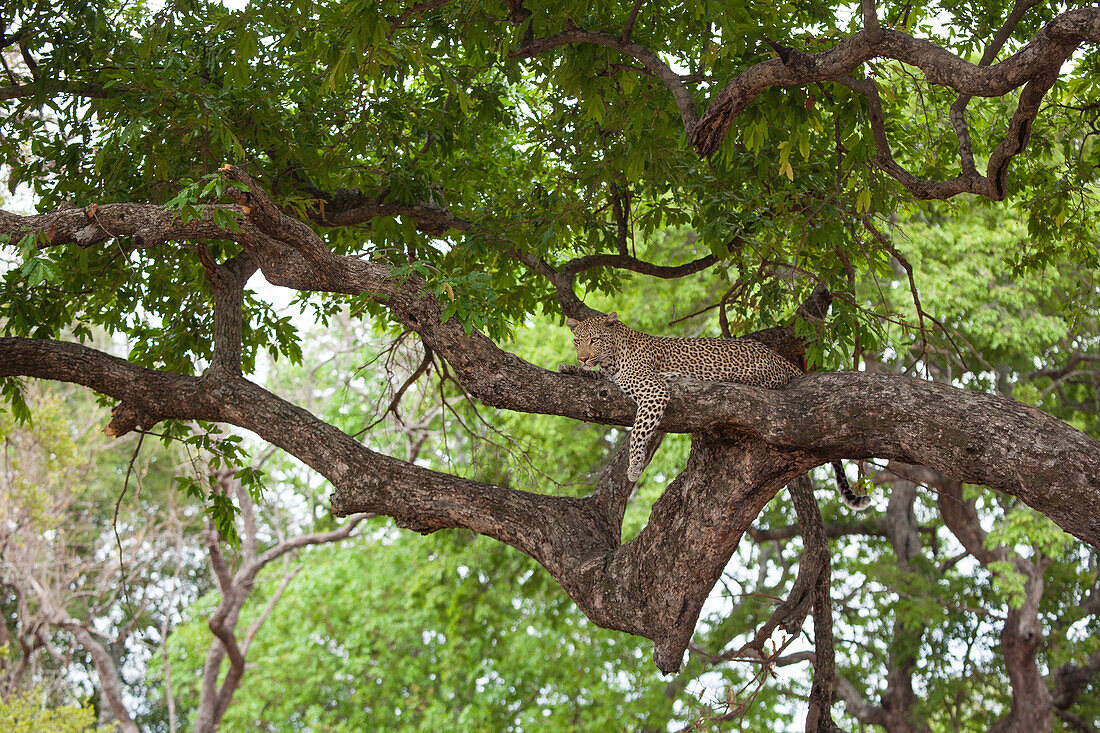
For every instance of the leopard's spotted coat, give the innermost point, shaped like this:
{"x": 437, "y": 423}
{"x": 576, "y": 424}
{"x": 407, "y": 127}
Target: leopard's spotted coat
{"x": 639, "y": 364}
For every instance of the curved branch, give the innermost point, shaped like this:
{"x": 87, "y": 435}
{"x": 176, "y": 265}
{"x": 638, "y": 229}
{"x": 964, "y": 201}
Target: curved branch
{"x": 106, "y": 668}
{"x": 1035, "y": 67}
{"x": 747, "y": 443}
{"x": 957, "y": 114}
{"x": 562, "y": 279}
{"x": 976, "y": 438}
{"x": 568, "y": 301}
{"x": 625, "y": 262}
{"x": 350, "y": 207}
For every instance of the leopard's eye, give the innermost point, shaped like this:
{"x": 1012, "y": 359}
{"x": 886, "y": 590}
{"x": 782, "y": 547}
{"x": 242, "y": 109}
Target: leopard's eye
{"x": 595, "y": 339}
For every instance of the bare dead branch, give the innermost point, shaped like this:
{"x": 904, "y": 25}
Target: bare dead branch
{"x": 284, "y": 583}
{"x": 1057, "y": 373}
{"x": 104, "y": 664}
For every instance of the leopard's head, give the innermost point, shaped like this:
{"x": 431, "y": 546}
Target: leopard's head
{"x": 594, "y": 340}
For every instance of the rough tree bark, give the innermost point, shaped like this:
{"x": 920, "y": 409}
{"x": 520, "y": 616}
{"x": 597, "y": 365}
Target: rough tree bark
{"x": 747, "y": 442}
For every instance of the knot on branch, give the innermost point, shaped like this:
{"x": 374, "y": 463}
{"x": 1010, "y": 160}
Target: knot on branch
{"x": 126, "y": 418}
{"x": 790, "y": 56}
{"x": 146, "y": 238}
{"x": 271, "y": 221}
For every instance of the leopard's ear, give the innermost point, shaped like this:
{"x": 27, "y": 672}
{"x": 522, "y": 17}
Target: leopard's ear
{"x": 572, "y": 323}
{"x": 612, "y": 317}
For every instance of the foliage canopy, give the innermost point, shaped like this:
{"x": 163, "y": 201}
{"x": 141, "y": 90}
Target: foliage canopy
{"x": 458, "y": 175}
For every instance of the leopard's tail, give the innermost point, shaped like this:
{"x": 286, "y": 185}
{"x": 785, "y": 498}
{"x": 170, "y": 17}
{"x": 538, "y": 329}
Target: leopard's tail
{"x": 851, "y": 498}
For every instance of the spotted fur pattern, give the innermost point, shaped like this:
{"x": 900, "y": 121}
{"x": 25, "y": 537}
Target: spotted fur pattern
{"x": 640, "y": 363}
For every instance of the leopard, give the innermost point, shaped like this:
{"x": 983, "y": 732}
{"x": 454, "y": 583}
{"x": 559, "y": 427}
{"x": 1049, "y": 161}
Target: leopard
{"x": 640, "y": 364}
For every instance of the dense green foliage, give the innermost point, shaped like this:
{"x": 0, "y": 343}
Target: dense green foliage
{"x": 314, "y": 96}
{"x": 572, "y": 152}
{"x": 22, "y": 714}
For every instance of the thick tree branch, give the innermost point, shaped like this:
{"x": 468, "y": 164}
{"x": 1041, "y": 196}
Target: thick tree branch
{"x": 819, "y": 718}
{"x": 1035, "y": 67}
{"x": 982, "y": 439}
{"x": 628, "y": 27}
{"x": 957, "y": 115}
{"x": 227, "y": 281}
{"x": 747, "y": 442}
{"x": 147, "y": 224}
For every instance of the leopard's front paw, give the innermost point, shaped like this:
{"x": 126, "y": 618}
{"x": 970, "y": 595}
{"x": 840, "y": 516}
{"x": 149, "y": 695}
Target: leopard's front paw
{"x": 633, "y": 473}
{"x": 578, "y": 371}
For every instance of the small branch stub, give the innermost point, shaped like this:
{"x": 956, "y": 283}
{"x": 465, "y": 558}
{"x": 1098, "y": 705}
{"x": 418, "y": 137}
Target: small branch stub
{"x": 123, "y": 420}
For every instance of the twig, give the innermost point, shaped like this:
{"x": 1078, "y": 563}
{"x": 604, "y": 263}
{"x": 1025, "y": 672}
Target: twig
{"x": 114, "y": 523}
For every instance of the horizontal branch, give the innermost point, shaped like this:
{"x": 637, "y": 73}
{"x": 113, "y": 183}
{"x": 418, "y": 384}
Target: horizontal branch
{"x": 148, "y": 225}
{"x": 970, "y": 436}
{"x": 974, "y": 437}
{"x": 348, "y": 207}
{"x": 868, "y": 527}
{"x": 748, "y": 441}
{"x": 626, "y": 262}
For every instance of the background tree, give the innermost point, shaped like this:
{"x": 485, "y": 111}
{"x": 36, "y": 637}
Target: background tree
{"x": 455, "y": 169}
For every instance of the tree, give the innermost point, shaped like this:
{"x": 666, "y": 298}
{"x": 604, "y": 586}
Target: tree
{"x": 74, "y": 620}
{"x": 450, "y": 169}
{"x": 60, "y": 516}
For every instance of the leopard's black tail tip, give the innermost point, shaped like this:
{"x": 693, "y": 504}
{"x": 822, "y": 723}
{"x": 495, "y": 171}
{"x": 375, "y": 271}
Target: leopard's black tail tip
{"x": 851, "y": 498}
